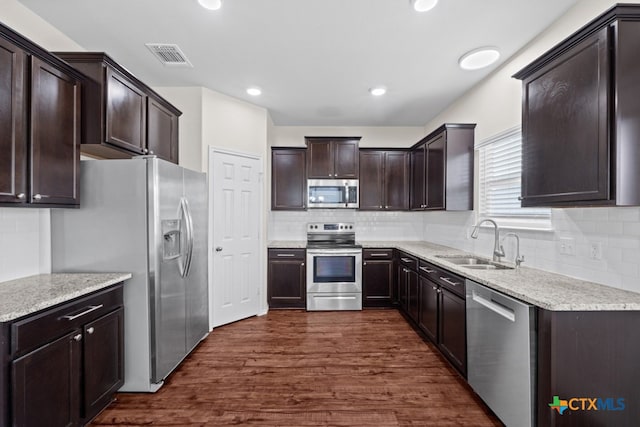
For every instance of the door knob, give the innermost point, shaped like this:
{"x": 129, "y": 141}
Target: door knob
{"x": 218, "y": 248}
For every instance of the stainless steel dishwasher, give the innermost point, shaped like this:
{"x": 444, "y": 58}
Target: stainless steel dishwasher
{"x": 501, "y": 353}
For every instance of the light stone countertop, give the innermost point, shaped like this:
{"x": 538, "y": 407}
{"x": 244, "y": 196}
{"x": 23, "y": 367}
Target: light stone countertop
{"x": 544, "y": 289}
{"x": 28, "y": 295}
{"x": 288, "y": 244}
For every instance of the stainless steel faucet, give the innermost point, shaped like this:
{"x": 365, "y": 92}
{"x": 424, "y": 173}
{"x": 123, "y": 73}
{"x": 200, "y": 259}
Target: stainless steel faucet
{"x": 498, "y": 251}
{"x": 519, "y": 258}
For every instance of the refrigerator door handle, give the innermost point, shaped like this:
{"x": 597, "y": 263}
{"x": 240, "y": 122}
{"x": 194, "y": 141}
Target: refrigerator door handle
{"x": 187, "y": 220}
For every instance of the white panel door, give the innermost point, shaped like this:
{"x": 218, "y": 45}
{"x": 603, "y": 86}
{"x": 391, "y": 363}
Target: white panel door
{"x": 235, "y": 224}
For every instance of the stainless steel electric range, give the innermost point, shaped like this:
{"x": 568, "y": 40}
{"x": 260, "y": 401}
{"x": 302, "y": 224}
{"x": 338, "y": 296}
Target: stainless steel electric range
{"x": 334, "y": 267}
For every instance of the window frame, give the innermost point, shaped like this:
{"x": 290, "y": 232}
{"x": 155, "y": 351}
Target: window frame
{"x": 538, "y": 218}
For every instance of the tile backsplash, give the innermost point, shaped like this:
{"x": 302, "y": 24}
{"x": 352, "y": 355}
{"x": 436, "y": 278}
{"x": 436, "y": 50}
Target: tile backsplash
{"x": 605, "y": 242}
{"x": 289, "y": 225}
{"x": 24, "y": 242}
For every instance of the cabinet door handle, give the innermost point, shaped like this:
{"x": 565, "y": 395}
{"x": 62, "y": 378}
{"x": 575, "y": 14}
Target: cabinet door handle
{"x": 435, "y": 288}
{"x": 37, "y": 196}
{"x": 446, "y": 279}
{"x": 405, "y": 259}
{"x": 302, "y": 264}
{"x": 77, "y": 337}
{"x": 20, "y": 196}
{"x": 87, "y": 311}
{"x": 425, "y": 269}
{"x": 285, "y": 255}
{"x": 378, "y": 254}
{"x": 364, "y": 263}
{"x": 90, "y": 330}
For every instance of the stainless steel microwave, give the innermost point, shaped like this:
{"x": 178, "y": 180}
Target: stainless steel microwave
{"x": 332, "y": 193}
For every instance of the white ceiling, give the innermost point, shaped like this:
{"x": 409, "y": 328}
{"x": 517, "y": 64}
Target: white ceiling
{"x": 314, "y": 59}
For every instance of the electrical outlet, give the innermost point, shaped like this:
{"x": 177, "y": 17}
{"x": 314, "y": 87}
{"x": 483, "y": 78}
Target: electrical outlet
{"x": 567, "y": 246}
{"x": 595, "y": 250}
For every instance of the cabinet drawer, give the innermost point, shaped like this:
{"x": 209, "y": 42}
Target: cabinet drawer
{"x": 287, "y": 253}
{"x": 407, "y": 261}
{"x": 38, "y": 329}
{"x": 430, "y": 271}
{"x": 373, "y": 254}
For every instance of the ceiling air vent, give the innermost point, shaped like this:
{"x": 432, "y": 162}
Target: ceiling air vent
{"x": 169, "y": 54}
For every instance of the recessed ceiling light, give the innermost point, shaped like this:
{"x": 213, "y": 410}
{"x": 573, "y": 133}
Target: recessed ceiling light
{"x": 254, "y": 91}
{"x": 479, "y": 58}
{"x": 424, "y": 5}
{"x": 211, "y": 4}
{"x": 378, "y": 90}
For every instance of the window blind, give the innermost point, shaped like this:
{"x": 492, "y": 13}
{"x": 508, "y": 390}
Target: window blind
{"x": 500, "y": 167}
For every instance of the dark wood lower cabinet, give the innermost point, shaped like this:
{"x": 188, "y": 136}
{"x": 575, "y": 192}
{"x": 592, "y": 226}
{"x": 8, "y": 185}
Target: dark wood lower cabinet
{"x": 46, "y": 384}
{"x": 453, "y": 329}
{"x": 408, "y": 298}
{"x": 287, "y": 281}
{"x": 428, "y": 316}
{"x": 442, "y": 313}
{"x": 103, "y": 370}
{"x": 61, "y": 366}
{"x": 377, "y": 278}
{"x": 588, "y": 355}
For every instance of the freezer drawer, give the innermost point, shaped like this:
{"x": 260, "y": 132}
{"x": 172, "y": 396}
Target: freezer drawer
{"x": 334, "y": 301}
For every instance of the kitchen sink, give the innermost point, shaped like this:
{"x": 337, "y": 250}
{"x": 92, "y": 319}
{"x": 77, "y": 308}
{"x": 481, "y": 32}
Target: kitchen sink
{"x": 473, "y": 262}
{"x": 464, "y": 259}
{"x": 486, "y": 266}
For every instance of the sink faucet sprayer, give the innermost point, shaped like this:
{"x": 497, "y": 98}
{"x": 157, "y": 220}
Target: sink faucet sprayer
{"x": 498, "y": 250}
{"x": 519, "y": 258}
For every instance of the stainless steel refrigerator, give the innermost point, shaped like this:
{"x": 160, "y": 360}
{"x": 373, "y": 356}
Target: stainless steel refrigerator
{"x": 147, "y": 217}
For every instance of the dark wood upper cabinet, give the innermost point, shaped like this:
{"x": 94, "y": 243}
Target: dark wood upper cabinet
{"x": 13, "y": 121}
{"x": 123, "y": 117}
{"x": 55, "y": 135}
{"x": 442, "y": 169}
{"x": 126, "y": 113}
{"x": 288, "y": 178}
{"x": 162, "y": 130}
{"x": 40, "y": 125}
{"x": 332, "y": 157}
{"x": 384, "y": 179}
{"x": 581, "y": 116}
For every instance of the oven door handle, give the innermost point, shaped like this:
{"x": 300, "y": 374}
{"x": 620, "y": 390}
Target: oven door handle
{"x": 332, "y": 252}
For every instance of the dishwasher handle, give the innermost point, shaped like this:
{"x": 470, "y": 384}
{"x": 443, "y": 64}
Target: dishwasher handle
{"x": 496, "y": 307}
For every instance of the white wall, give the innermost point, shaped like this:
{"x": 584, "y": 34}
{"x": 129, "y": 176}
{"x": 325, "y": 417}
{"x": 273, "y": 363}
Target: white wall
{"x": 189, "y": 101}
{"x": 233, "y": 124}
{"x": 25, "y": 247}
{"x": 495, "y": 105}
{"x": 372, "y": 136}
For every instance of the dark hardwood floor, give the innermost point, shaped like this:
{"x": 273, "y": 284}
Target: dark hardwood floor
{"x": 293, "y": 368}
